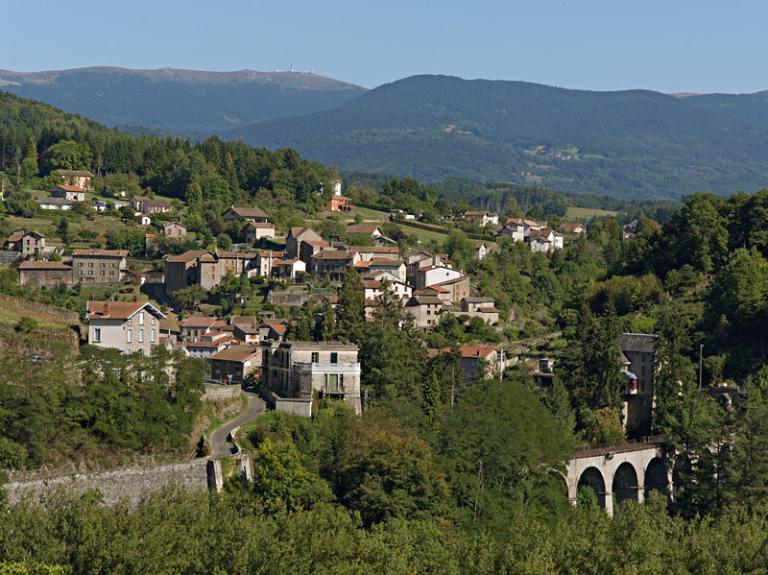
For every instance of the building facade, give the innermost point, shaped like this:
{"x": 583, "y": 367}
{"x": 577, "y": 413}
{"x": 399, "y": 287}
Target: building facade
{"x": 130, "y": 327}
{"x": 302, "y": 369}
{"x": 93, "y": 267}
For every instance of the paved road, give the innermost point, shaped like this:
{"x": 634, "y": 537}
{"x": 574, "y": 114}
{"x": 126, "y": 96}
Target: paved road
{"x": 221, "y": 447}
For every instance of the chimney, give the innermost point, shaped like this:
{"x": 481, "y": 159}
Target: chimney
{"x": 105, "y": 309}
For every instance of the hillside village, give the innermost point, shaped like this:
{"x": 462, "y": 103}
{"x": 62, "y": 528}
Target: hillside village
{"x": 285, "y": 269}
{"x": 366, "y": 353}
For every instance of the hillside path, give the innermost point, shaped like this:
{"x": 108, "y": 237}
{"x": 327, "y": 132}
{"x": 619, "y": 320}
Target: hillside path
{"x": 220, "y": 446}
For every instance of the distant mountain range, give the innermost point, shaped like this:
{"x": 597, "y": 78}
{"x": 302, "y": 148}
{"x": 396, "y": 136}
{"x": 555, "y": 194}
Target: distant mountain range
{"x": 629, "y": 144}
{"x": 184, "y": 102}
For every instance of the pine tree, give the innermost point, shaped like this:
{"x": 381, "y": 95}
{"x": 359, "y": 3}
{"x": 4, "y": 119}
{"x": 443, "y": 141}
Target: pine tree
{"x": 327, "y": 328}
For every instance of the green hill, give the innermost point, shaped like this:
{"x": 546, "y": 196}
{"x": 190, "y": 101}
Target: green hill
{"x": 628, "y": 144}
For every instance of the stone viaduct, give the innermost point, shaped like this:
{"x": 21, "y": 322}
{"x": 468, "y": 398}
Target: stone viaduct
{"x": 628, "y": 471}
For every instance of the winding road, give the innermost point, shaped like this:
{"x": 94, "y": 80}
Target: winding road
{"x": 220, "y": 445}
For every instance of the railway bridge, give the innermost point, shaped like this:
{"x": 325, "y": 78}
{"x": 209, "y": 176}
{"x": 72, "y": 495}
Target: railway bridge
{"x": 627, "y": 471}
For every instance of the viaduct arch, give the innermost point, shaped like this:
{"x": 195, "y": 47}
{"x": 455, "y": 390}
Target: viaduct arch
{"x": 620, "y": 472}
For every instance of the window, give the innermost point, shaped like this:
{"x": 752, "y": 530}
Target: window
{"x": 141, "y": 318}
{"x": 152, "y": 320}
{"x": 332, "y": 383}
{"x": 96, "y": 335}
{"x": 129, "y": 336}
{"x": 141, "y": 336}
{"x": 334, "y": 357}
{"x": 152, "y": 336}
{"x": 315, "y": 357}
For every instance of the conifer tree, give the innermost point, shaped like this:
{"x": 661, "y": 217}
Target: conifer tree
{"x": 350, "y": 313}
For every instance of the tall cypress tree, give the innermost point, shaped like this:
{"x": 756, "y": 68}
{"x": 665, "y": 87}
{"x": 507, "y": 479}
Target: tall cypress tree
{"x": 350, "y": 312}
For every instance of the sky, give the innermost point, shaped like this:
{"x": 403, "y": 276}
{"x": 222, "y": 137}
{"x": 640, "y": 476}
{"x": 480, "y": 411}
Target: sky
{"x": 664, "y": 45}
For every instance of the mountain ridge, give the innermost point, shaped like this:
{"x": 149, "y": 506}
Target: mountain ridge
{"x": 626, "y": 143}
{"x": 194, "y": 103}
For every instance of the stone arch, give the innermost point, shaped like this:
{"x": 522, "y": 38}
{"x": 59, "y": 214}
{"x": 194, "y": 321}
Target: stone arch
{"x": 592, "y": 477}
{"x": 656, "y": 477}
{"x": 625, "y": 484}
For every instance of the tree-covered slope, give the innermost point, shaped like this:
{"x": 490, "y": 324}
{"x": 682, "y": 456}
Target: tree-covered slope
{"x": 630, "y": 143}
{"x": 184, "y": 102}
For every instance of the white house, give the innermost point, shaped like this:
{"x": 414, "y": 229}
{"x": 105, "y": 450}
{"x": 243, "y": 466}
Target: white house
{"x": 130, "y": 327}
{"x": 432, "y": 275}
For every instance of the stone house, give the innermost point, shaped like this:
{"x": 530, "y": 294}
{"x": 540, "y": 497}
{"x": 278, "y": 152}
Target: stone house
{"x": 131, "y": 327}
{"x": 308, "y": 249}
{"x": 245, "y": 214}
{"x": 214, "y": 267}
{"x": 181, "y": 270}
{"x": 456, "y": 289}
{"x": 296, "y": 236}
{"x": 482, "y": 307}
{"x": 425, "y": 310}
{"x": 175, "y": 230}
{"x": 27, "y": 243}
{"x": 434, "y": 275}
{"x": 333, "y": 265}
{"x": 234, "y": 364}
{"x": 203, "y": 268}
{"x": 81, "y": 178}
{"x": 254, "y": 231}
{"x": 94, "y": 267}
{"x": 44, "y": 274}
{"x": 300, "y": 370}
{"x": 195, "y": 326}
{"x": 67, "y": 192}
{"x": 481, "y": 361}
{"x": 246, "y": 329}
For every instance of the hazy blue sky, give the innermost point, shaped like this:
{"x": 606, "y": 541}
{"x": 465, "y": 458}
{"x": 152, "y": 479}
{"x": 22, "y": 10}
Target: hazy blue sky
{"x": 667, "y": 45}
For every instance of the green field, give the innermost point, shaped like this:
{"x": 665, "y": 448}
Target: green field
{"x": 423, "y": 235}
{"x": 583, "y": 214}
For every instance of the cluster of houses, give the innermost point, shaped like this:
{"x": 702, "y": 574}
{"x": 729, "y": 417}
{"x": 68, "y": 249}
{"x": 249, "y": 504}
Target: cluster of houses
{"x": 236, "y": 349}
{"x": 537, "y": 235}
{"x": 77, "y": 183}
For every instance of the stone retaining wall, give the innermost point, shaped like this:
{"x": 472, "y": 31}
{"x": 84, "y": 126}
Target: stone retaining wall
{"x": 218, "y": 392}
{"x": 118, "y": 484}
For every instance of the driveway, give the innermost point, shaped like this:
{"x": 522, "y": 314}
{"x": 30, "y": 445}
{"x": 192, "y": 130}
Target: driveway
{"x": 219, "y": 444}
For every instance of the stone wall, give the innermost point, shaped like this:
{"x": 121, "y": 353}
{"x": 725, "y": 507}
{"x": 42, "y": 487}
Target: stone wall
{"x": 293, "y": 406}
{"x": 118, "y": 484}
{"x": 218, "y": 392}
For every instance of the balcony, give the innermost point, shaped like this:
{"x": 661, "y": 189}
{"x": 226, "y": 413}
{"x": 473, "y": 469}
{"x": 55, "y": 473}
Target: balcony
{"x": 340, "y": 368}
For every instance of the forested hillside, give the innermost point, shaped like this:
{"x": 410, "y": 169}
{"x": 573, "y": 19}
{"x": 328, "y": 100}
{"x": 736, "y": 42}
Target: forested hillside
{"x": 38, "y": 139}
{"x": 626, "y": 144}
{"x": 185, "y": 102}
